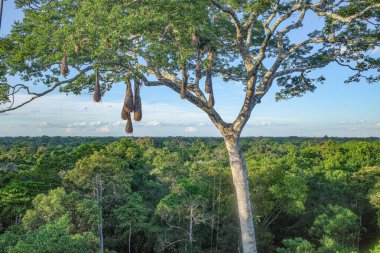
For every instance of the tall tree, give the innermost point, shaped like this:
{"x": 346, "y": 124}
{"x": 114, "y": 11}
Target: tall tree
{"x": 185, "y": 45}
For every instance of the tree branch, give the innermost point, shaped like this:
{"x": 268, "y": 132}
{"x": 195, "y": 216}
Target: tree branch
{"x": 175, "y": 86}
{"x": 298, "y": 69}
{"x": 232, "y": 14}
{"x": 345, "y": 19}
{"x": 38, "y": 95}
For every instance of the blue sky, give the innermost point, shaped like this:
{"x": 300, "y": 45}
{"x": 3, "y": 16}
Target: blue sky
{"x": 335, "y": 109}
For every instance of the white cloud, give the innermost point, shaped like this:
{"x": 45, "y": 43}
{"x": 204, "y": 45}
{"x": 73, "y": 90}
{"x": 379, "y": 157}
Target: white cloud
{"x": 266, "y": 123}
{"x": 153, "y": 123}
{"x": 119, "y": 123}
{"x": 96, "y": 123}
{"x": 103, "y": 130}
{"x": 378, "y": 124}
{"x": 79, "y": 124}
{"x": 191, "y": 129}
{"x": 69, "y": 130}
{"x": 46, "y": 124}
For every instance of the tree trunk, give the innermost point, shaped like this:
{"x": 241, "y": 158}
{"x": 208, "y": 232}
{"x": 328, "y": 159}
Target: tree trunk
{"x": 98, "y": 192}
{"x": 101, "y": 238}
{"x": 191, "y": 229}
{"x": 240, "y": 180}
{"x": 129, "y": 237}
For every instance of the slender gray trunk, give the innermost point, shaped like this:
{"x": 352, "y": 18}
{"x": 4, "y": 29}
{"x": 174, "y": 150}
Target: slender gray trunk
{"x": 129, "y": 237}
{"x": 101, "y": 241}
{"x": 240, "y": 180}
{"x": 98, "y": 192}
{"x": 191, "y": 229}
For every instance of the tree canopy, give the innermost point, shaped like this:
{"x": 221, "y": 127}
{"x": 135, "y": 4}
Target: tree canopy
{"x": 185, "y": 45}
{"x": 76, "y": 46}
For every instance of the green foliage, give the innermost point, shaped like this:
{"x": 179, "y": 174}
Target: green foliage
{"x": 132, "y": 213}
{"x": 297, "y": 245}
{"x": 8, "y": 239}
{"x": 376, "y": 249}
{"x": 82, "y": 214}
{"x": 374, "y": 197}
{"x": 54, "y": 237}
{"x": 336, "y": 227}
{"x": 314, "y": 189}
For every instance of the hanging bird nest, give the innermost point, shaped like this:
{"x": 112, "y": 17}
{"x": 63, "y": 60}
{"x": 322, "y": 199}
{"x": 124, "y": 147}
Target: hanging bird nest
{"x": 124, "y": 113}
{"x": 194, "y": 40}
{"x": 64, "y": 66}
{"x": 137, "y": 115}
{"x": 211, "y": 101}
{"x": 128, "y": 102}
{"x": 208, "y": 83}
{"x": 184, "y": 82}
{"x": 129, "y": 126}
{"x": 97, "y": 92}
{"x": 76, "y": 48}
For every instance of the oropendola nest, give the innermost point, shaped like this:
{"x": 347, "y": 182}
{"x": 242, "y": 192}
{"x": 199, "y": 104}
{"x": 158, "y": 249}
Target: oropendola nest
{"x": 137, "y": 115}
{"x": 124, "y": 113}
{"x": 128, "y": 102}
{"x": 211, "y": 101}
{"x": 64, "y": 66}
{"x": 76, "y": 48}
{"x": 129, "y": 127}
{"x": 194, "y": 40}
{"x": 208, "y": 83}
{"x": 132, "y": 103}
{"x": 184, "y": 83}
{"x": 97, "y": 93}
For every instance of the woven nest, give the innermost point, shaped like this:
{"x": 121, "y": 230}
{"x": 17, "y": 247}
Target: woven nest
{"x": 129, "y": 126}
{"x": 211, "y": 101}
{"x": 184, "y": 83}
{"x": 208, "y": 83}
{"x": 76, "y": 48}
{"x": 128, "y": 101}
{"x": 137, "y": 115}
{"x": 97, "y": 92}
{"x": 64, "y": 66}
{"x": 124, "y": 113}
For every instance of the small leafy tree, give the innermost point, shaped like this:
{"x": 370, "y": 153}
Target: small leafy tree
{"x": 185, "y": 45}
{"x": 105, "y": 180}
{"x": 132, "y": 215}
{"x": 336, "y": 228}
{"x": 82, "y": 213}
{"x": 374, "y": 197}
{"x": 183, "y": 209}
{"x": 54, "y": 237}
{"x": 297, "y": 245}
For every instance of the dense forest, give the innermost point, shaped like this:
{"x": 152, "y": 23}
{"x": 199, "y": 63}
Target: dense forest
{"x": 87, "y": 194}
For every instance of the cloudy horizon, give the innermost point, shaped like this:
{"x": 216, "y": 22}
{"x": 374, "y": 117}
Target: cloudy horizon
{"x": 61, "y": 115}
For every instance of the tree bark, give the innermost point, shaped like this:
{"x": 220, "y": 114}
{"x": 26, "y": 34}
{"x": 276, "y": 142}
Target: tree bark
{"x": 191, "y": 229}
{"x": 240, "y": 180}
{"x": 129, "y": 237}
